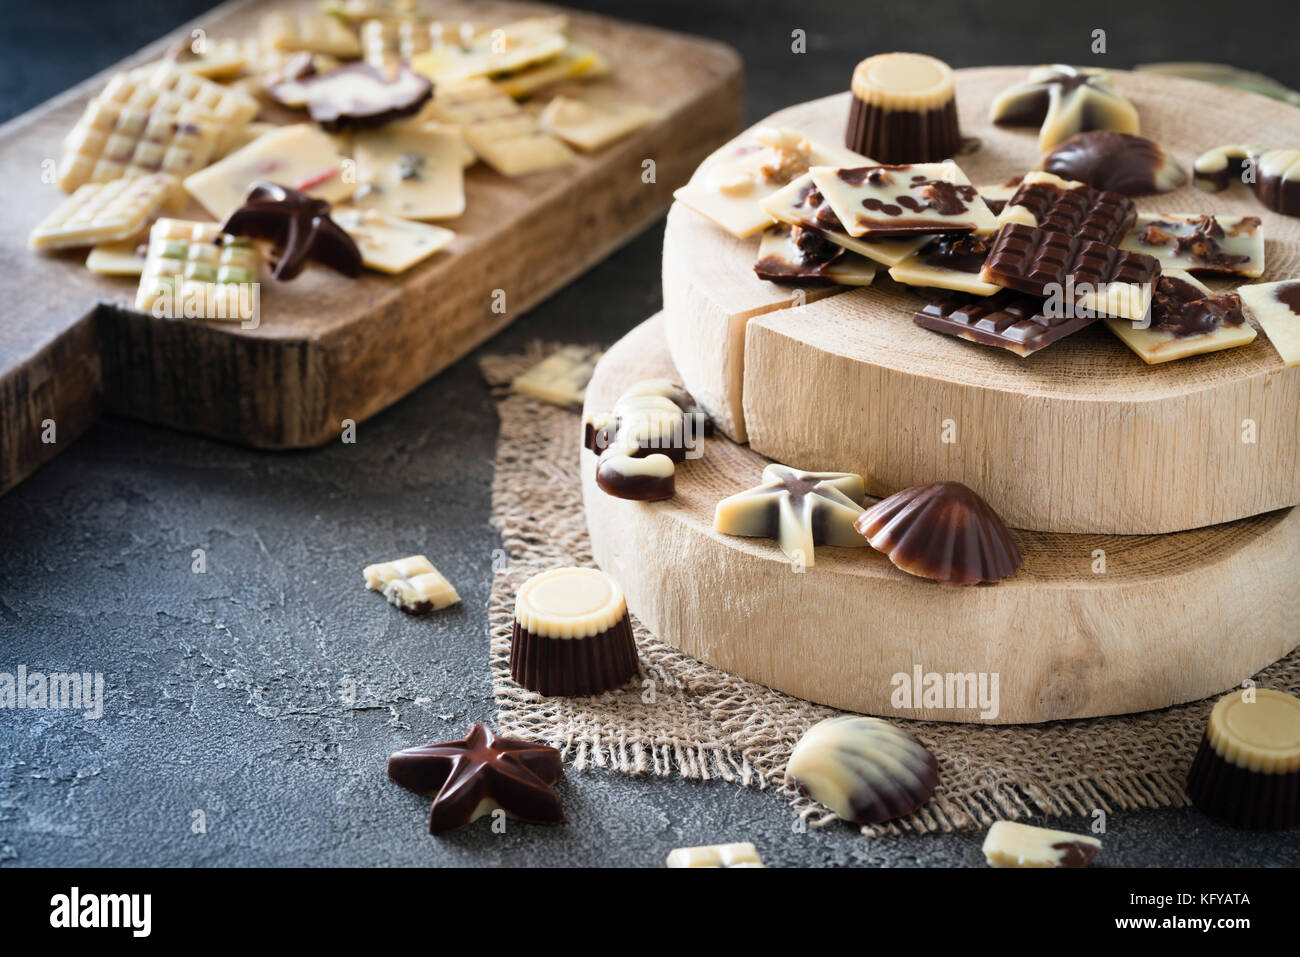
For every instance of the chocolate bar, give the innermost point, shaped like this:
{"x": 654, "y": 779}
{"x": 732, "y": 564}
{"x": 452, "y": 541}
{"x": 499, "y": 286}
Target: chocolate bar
{"x": 740, "y": 854}
{"x": 948, "y": 262}
{"x": 798, "y": 509}
{"x": 866, "y": 770}
{"x": 943, "y": 531}
{"x": 1010, "y": 844}
{"x": 889, "y": 202}
{"x": 412, "y": 584}
{"x": 105, "y": 212}
{"x": 1067, "y": 206}
{"x": 1120, "y": 162}
{"x": 1219, "y": 245}
{"x": 561, "y": 378}
{"x": 1187, "y": 319}
{"x": 572, "y": 635}
{"x": 904, "y": 109}
{"x": 589, "y": 125}
{"x": 495, "y": 52}
{"x": 1065, "y": 100}
{"x": 1276, "y": 307}
{"x": 479, "y": 774}
{"x": 196, "y": 271}
{"x": 791, "y": 254}
{"x": 388, "y": 243}
{"x": 310, "y": 32}
{"x": 112, "y": 141}
{"x": 411, "y": 172}
{"x": 1011, "y": 320}
{"x": 1093, "y": 275}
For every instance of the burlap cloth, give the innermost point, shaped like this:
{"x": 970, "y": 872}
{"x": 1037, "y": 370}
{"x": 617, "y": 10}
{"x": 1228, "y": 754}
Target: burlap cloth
{"x": 705, "y": 723}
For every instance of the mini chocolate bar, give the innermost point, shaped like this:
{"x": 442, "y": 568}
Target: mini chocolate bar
{"x": 740, "y": 854}
{"x": 357, "y": 95}
{"x": 105, "y": 212}
{"x": 572, "y": 634}
{"x": 1276, "y": 307}
{"x": 125, "y": 257}
{"x": 866, "y": 770}
{"x": 1098, "y": 278}
{"x": 1067, "y": 206}
{"x": 1247, "y": 769}
{"x": 589, "y": 126}
{"x": 1010, "y": 844}
{"x": 1276, "y": 174}
{"x": 149, "y": 87}
{"x": 904, "y": 109}
{"x": 1187, "y": 319}
{"x": 414, "y": 173}
{"x": 495, "y": 52}
{"x": 310, "y": 32}
{"x": 798, "y": 509}
{"x": 1119, "y": 162}
{"x": 196, "y": 271}
{"x": 1015, "y": 321}
{"x": 390, "y": 244}
{"x": 731, "y": 185}
{"x": 889, "y": 202}
{"x": 300, "y": 228}
{"x": 479, "y": 774}
{"x": 112, "y": 141}
{"x": 792, "y": 254}
{"x": 1065, "y": 100}
{"x": 801, "y": 204}
{"x": 948, "y": 262}
{"x": 561, "y": 378}
{"x": 943, "y": 531}
{"x": 412, "y": 584}
{"x": 1218, "y": 245}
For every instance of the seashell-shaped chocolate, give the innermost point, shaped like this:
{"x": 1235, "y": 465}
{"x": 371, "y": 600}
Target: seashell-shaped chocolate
{"x": 942, "y": 531}
{"x": 864, "y": 769}
{"x": 1119, "y": 162}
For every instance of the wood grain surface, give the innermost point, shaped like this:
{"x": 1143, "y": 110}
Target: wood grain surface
{"x": 1081, "y": 437}
{"x": 330, "y": 348}
{"x": 1165, "y": 619}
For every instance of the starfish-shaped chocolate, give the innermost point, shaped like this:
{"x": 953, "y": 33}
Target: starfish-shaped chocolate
{"x": 298, "y": 225}
{"x": 1066, "y": 100}
{"x": 798, "y": 509}
{"x": 480, "y": 773}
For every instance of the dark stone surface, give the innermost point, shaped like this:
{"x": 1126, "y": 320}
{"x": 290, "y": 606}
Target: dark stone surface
{"x": 225, "y": 691}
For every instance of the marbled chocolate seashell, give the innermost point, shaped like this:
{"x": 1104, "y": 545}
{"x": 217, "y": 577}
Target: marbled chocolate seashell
{"x": 942, "y": 531}
{"x": 864, "y": 769}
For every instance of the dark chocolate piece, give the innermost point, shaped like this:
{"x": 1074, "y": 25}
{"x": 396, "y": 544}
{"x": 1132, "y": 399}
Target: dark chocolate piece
{"x": 479, "y": 773}
{"x": 1032, "y": 260}
{"x": 961, "y": 253}
{"x": 1009, "y": 320}
{"x": 298, "y": 225}
{"x": 1084, "y": 211}
{"x": 355, "y": 95}
{"x": 942, "y": 531}
{"x": 1120, "y": 162}
{"x": 1180, "y": 308}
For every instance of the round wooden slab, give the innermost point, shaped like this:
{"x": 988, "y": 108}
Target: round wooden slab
{"x": 1089, "y": 625}
{"x": 1081, "y": 437}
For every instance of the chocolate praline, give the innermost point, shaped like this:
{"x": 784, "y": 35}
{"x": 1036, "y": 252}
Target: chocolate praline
{"x": 1120, "y": 162}
{"x": 904, "y": 109}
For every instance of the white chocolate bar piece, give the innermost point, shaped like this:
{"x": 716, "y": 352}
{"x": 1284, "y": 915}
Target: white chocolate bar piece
{"x": 497, "y": 51}
{"x": 390, "y": 244}
{"x": 952, "y": 265}
{"x": 780, "y": 259}
{"x": 740, "y": 854}
{"x": 229, "y": 106}
{"x": 730, "y": 186}
{"x": 496, "y": 127}
{"x": 302, "y": 157}
{"x": 589, "y": 126}
{"x": 112, "y": 141}
{"x": 411, "y": 173}
{"x": 104, "y": 212}
{"x": 1276, "y": 307}
{"x": 1161, "y": 342}
{"x": 310, "y": 32}
{"x": 1223, "y": 245}
{"x": 577, "y": 62}
{"x": 1009, "y": 844}
{"x": 892, "y": 201}
{"x": 126, "y": 257}
{"x": 412, "y": 584}
{"x": 195, "y": 271}
{"x": 561, "y": 378}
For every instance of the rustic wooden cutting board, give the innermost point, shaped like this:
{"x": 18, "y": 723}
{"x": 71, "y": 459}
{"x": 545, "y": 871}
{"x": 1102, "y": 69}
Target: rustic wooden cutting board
{"x": 330, "y": 349}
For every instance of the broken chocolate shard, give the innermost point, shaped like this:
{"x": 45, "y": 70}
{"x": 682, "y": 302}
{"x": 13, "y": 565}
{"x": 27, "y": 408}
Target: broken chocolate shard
{"x": 1217, "y": 245}
{"x": 479, "y": 774}
{"x": 299, "y": 227}
{"x": 1119, "y": 162}
{"x": 1185, "y": 309}
{"x": 1011, "y": 844}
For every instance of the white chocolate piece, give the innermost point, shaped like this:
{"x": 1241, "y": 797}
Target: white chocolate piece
{"x": 927, "y": 267}
{"x": 730, "y": 185}
{"x": 561, "y": 378}
{"x": 126, "y": 257}
{"x": 1009, "y": 844}
{"x": 230, "y": 107}
{"x": 875, "y": 201}
{"x": 390, "y": 41}
{"x": 740, "y": 854}
{"x": 195, "y": 271}
{"x": 310, "y": 32}
{"x": 411, "y": 173}
{"x": 577, "y": 62}
{"x": 496, "y": 51}
{"x": 412, "y": 584}
{"x": 781, "y": 259}
{"x": 1224, "y": 245}
{"x": 1067, "y": 100}
{"x": 389, "y": 244}
{"x": 588, "y": 126}
{"x": 497, "y": 128}
{"x": 1276, "y": 307}
{"x": 302, "y": 157}
{"x": 790, "y": 504}
{"x": 794, "y": 205}
{"x": 247, "y": 134}
{"x": 216, "y": 61}
{"x": 569, "y": 603}
{"x": 104, "y": 212}
{"x": 1155, "y": 344}
{"x": 864, "y": 769}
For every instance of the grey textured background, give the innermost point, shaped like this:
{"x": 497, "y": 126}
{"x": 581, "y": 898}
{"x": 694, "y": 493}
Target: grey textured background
{"x": 223, "y": 688}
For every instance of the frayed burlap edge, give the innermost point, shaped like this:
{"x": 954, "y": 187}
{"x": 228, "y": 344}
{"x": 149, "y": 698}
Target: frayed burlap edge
{"x": 683, "y": 717}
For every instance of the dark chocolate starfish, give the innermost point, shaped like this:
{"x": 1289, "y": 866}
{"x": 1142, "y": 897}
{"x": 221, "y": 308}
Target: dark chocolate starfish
{"x": 480, "y": 773}
{"x": 298, "y": 225}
